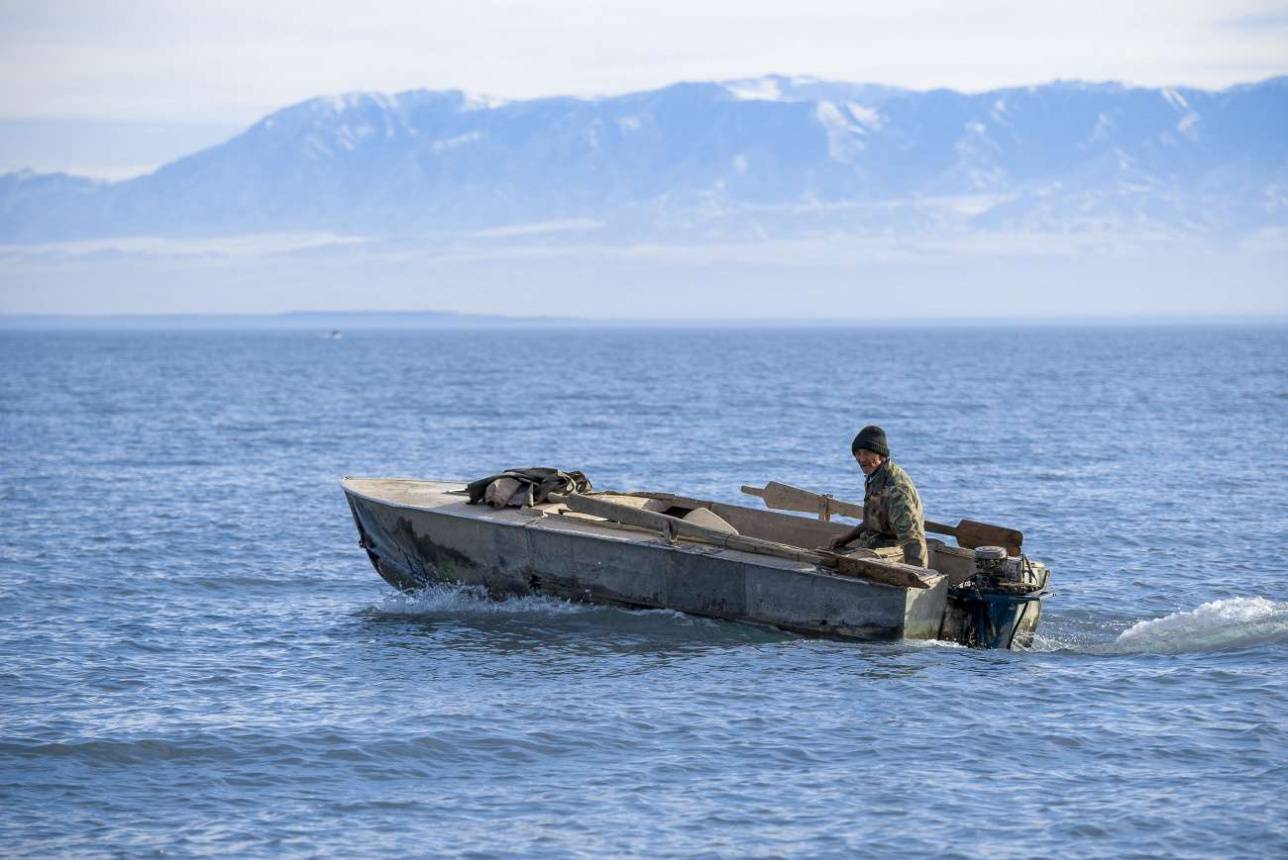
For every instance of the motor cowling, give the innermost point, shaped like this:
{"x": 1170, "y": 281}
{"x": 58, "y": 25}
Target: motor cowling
{"x": 997, "y": 571}
{"x": 999, "y": 605}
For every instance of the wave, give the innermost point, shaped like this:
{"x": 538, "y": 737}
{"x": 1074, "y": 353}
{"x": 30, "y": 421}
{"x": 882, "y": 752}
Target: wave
{"x": 442, "y": 599}
{"x": 1219, "y": 625}
{"x": 472, "y": 605}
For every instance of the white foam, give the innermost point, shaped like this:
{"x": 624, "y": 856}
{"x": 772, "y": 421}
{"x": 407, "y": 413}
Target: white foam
{"x": 454, "y": 599}
{"x": 1046, "y": 644}
{"x": 1238, "y": 622}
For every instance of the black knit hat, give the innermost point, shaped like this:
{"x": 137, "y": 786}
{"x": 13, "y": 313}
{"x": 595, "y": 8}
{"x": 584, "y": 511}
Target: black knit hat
{"x": 872, "y": 438}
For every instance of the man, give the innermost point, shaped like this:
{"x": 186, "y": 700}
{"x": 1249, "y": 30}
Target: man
{"x": 892, "y": 514}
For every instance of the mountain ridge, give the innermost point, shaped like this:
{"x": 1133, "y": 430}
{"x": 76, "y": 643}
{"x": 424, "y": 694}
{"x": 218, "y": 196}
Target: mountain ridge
{"x": 776, "y": 155}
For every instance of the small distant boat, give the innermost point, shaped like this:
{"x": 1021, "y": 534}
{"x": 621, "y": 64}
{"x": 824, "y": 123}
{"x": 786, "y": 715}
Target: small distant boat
{"x": 336, "y": 334}
{"x": 660, "y": 550}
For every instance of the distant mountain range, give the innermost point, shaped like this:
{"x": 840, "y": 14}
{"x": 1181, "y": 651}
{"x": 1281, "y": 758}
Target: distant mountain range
{"x": 772, "y": 156}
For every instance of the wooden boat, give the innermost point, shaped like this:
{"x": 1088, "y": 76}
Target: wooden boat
{"x": 660, "y": 550}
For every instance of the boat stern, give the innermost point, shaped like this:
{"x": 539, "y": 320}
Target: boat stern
{"x": 1000, "y": 605}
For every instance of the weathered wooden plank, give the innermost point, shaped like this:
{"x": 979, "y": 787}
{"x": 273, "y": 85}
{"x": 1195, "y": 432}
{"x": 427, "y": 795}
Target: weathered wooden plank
{"x": 876, "y": 570}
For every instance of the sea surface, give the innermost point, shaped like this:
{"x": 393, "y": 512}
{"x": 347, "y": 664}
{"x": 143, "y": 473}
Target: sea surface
{"x": 197, "y": 658}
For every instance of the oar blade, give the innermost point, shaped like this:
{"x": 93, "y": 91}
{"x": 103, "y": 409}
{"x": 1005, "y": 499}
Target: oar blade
{"x": 785, "y": 497}
{"x": 972, "y": 534}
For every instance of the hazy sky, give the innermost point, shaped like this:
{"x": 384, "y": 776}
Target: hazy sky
{"x": 874, "y": 278}
{"x": 116, "y": 88}
{"x": 233, "y": 60}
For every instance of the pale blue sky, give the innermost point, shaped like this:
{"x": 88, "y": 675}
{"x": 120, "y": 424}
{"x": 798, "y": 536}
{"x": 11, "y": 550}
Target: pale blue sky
{"x": 160, "y": 75}
{"x": 115, "y": 89}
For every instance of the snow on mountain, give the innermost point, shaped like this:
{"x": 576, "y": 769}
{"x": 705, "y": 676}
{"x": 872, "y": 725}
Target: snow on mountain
{"x": 737, "y": 158}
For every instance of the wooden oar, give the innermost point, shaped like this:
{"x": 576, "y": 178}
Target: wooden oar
{"x": 874, "y": 569}
{"x": 969, "y": 533}
{"x": 785, "y": 497}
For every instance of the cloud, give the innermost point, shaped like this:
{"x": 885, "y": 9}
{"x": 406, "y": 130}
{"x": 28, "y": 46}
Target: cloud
{"x": 235, "y": 60}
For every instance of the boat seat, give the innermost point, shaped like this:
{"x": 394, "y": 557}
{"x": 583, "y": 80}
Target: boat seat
{"x": 709, "y": 520}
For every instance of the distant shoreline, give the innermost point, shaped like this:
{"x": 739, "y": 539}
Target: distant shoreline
{"x": 328, "y": 321}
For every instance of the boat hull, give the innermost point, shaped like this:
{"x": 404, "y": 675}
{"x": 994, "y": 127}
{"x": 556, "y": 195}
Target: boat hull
{"x": 420, "y": 532}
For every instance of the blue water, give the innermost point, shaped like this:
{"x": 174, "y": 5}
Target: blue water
{"x": 197, "y": 657}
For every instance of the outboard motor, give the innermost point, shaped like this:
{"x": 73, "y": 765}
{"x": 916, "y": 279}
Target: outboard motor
{"x": 999, "y": 606}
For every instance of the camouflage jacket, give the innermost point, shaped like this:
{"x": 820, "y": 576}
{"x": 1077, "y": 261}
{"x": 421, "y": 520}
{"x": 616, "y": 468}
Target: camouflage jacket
{"x": 892, "y": 514}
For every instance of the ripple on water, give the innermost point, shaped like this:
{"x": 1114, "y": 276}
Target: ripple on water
{"x": 198, "y": 659}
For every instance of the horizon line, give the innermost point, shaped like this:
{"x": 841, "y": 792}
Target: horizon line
{"x": 369, "y": 319}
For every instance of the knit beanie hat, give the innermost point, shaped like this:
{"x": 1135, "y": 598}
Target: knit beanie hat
{"x": 872, "y": 438}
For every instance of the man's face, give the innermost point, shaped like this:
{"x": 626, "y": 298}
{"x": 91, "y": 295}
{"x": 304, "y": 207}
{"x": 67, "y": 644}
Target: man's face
{"x": 868, "y": 460}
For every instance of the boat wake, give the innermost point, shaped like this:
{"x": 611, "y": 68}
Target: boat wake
{"x": 556, "y": 619}
{"x": 471, "y": 600}
{"x": 1218, "y": 625}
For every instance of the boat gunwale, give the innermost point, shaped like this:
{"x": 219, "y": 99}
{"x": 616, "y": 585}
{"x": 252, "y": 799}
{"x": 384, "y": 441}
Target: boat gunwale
{"x": 344, "y": 485}
{"x": 535, "y": 514}
{"x": 607, "y": 529}
{"x": 647, "y": 494}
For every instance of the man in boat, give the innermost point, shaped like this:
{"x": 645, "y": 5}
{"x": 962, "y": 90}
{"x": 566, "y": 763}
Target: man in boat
{"x": 892, "y": 514}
